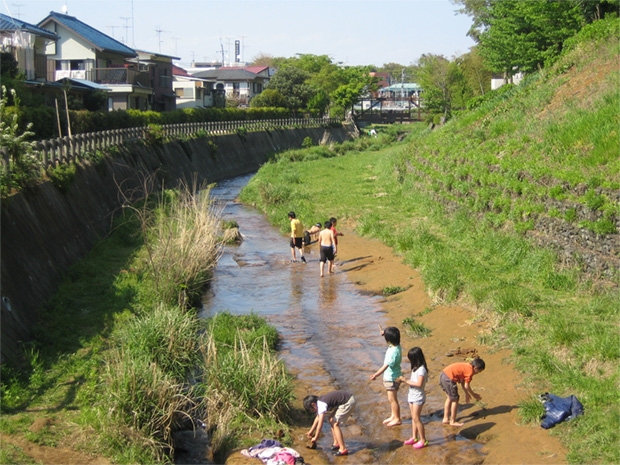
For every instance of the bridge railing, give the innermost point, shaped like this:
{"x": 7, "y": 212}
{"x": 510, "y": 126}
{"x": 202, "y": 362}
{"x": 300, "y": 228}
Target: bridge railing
{"x": 53, "y": 152}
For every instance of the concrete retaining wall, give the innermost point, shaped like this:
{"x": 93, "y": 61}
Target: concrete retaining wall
{"x": 45, "y": 231}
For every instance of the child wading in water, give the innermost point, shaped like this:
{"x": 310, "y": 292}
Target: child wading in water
{"x": 391, "y": 372}
{"x": 461, "y": 373}
{"x": 417, "y": 396}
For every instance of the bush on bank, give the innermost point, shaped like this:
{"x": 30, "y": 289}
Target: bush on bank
{"x": 120, "y": 344}
{"x": 45, "y": 125}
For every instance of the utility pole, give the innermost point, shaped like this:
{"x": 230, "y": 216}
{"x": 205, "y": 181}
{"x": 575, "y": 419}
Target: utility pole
{"x": 222, "y": 49}
{"x": 133, "y": 30}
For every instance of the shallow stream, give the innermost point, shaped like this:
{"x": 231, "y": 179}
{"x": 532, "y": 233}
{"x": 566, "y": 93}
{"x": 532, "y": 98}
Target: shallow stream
{"x": 330, "y": 337}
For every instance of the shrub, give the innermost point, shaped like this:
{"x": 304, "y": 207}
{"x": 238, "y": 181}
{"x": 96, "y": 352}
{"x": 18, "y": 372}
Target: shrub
{"x": 62, "y": 176}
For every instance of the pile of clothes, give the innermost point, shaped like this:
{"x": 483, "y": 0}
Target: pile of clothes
{"x": 559, "y": 409}
{"x": 271, "y": 452}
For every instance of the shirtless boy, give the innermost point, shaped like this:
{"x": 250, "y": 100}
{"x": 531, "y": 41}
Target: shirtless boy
{"x": 327, "y": 243}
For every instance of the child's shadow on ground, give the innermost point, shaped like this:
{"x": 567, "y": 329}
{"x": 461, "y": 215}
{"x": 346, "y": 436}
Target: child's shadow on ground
{"x": 474, "y": 432}
{"x": 486, "y": 412}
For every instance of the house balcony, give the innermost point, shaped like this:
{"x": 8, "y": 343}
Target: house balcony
{"x": 107, "y": 76}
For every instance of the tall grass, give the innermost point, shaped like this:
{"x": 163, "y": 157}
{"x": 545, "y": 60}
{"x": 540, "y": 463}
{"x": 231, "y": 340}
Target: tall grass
{"x": 121, "y": 344}
{"x": 182, "y": 242}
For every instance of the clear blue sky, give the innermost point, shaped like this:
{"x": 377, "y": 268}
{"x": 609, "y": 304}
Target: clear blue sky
{"x": 354, "y": 32}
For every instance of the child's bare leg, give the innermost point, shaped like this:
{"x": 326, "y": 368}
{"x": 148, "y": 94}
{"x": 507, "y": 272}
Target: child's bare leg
{"x": 338, "y": 438}
{"x": 414, "y": 426}
{"x": 446, "y": 411}
{"x": 321, "y": 266}
{"x": 416, "y": 422}
{"x": 331, "y": 266}
{"x": 395, "y": 408}
{"x": 453, "y": 411}
{"x": 449, "y": 412}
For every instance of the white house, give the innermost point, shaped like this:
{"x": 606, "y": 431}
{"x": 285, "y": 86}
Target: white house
{"x": 83, "y": 52}
{"x": 498, "y": 81}
{"x": 194, "y": 92}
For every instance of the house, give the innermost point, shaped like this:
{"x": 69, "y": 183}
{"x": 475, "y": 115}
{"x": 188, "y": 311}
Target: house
{"x": 240, "y": 84}
{"x": 159, "y": 70}
{"x": 195, "y": 92}
{"x": 498, "y": 81}
{"x": 383, "y": 79}
{"x": 27, "y": 43}
{"x": 83, "y": 52}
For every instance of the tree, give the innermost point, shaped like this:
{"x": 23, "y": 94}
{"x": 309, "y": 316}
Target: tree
{"x": 25, "y": 168}
{"x": 268, "y": 98}
{"x": 522, "y": 35}
{"x": 356, "y": 81}
{"x": 479, "y": 12}
{"x": 477, "y": 75}
{"x": 263, "y": 60}
{"x": 436, "y": 75}
{"x": 290, "y": 82}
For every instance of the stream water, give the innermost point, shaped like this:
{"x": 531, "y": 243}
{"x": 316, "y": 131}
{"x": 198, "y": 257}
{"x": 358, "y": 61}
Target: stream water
{"x": 330, "y": 337}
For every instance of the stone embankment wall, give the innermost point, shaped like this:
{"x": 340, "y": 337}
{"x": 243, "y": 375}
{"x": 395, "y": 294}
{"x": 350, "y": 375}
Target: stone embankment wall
{"x": 45, "y": 231}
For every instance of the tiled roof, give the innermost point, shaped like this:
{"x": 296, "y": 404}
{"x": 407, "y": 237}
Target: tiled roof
{"x": 178, "y": 71}
{"x": 8, "y": 23}
{"x": 227, "y": 74}
{"x": 92, "y": 35}
{"x": 251, "y": 69}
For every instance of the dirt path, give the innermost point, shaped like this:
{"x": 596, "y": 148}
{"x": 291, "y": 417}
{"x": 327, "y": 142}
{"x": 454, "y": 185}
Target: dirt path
{"x": 494, "y": 423}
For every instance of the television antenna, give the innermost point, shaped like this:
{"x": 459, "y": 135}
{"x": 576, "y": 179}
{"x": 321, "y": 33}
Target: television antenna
{"x": 127, "y": 26}
{"x": 19, "y": 11}
{"x": 159, "y": 31}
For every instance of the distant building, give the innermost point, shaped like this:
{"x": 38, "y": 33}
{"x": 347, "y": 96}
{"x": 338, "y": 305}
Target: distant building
{"x": 27, "y": 43}
{"x": 385, "y": 79}
{"x": 241, "y": 84}
{"x": 499, "y": 81}
{"x": 194, "y": 92}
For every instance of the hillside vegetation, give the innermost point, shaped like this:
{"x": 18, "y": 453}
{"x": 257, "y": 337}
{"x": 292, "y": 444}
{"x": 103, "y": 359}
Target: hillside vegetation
{"x": 511, "y": 210}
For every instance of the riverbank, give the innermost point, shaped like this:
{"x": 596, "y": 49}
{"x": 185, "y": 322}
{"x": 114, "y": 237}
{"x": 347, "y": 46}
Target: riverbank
{"x": 493, "y": 423}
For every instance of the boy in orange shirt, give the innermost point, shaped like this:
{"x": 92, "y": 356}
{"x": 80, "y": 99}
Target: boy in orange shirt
{"x": 461, "y": 373}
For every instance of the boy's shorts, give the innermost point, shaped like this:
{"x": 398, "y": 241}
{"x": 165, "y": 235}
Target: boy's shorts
{"x": 327, "y": 253}
{"x": 391, "y": 385}
{"x": 296, "y": 242}
{"x": 344, "y": 411}
{"x": 449, "y": 387}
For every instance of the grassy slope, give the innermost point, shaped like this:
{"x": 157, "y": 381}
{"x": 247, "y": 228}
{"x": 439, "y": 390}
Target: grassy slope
{"x": 553, "y": 142}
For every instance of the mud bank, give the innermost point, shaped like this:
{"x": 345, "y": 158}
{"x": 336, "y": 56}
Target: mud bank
{"x": 492, "y": 424}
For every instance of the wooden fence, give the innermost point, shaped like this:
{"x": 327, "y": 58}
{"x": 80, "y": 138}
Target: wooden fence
{"x": 61, "y": 150}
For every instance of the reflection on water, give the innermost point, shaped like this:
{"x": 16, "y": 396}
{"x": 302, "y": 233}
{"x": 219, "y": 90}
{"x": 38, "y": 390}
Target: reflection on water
{"x": 329, "y": 332}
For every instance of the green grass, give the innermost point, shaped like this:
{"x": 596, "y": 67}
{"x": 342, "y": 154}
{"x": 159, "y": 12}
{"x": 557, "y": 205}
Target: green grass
{"x": 119, "y": 344}
{"x": 392, "y": 290}
{"x": 415, "y": 328}
{"x": 456, "y": 203}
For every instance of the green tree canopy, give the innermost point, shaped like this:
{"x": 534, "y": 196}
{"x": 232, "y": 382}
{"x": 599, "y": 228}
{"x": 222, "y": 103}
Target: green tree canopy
{"x": 523, "y": 35}
{"x": 269, "y": 98}
{"x": 290, "y": 82}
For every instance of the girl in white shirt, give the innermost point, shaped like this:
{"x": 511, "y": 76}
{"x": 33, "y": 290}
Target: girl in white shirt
{"x": 417, "y": 396}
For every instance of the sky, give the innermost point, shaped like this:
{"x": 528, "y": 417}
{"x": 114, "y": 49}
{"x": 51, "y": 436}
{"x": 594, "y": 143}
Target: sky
{"x": 351, "y": 32}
